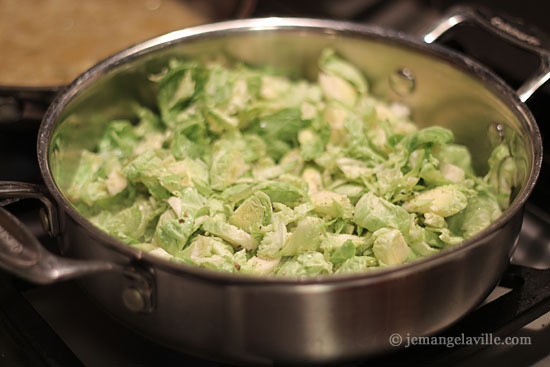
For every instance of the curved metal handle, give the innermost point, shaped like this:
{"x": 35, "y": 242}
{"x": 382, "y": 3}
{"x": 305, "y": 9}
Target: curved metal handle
{"x": 527, "y": 39}
{"x": 25, "y": 103}
{"x": 12, "y": 191}
{"x": 23, "y": 255}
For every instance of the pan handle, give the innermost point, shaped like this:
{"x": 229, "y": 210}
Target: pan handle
{"x": 23, "y": 255}
{"x": 517, "y": 34}
{"x": 25, "y": 104}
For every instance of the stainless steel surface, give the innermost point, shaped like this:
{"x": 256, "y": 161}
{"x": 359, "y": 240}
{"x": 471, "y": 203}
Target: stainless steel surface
{"x": 99, "y": 341}
{"x": 23, "y": 255}
{"x": 139, "y": 296}
{"x": 402, "y": 82}
{"x": 514, "y": 33}
{"x": 315, "y": 320}
{"x": 133, "y": 299}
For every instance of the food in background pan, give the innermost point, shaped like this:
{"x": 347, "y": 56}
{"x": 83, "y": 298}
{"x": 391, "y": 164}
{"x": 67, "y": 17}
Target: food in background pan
{"x": 50, "y": 42}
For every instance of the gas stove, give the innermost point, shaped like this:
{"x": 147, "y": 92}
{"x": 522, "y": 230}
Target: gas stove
{"x": 59, "y": 325}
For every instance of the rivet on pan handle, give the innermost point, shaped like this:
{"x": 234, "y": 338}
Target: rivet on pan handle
{"x": 528, "y": 39}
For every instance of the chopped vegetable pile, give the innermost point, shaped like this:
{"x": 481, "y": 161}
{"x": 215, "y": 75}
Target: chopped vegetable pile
{"x": 247, "y": 171}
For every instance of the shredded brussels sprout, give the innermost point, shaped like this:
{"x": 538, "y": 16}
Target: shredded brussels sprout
{"x": 247, "y": 171}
